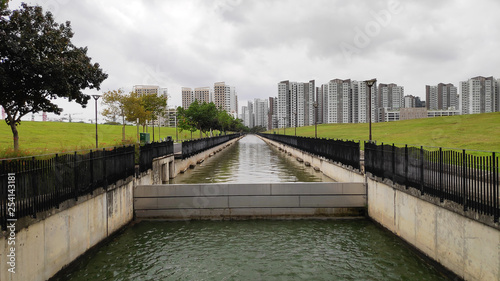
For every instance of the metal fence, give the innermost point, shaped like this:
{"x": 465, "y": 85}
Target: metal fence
{"x": 153, "y": 150}
{"x": 469, "y": 180}
{"x": 30, "y": 185}
{"x": 345, "y": 152}
{"x": 192, "y": 147}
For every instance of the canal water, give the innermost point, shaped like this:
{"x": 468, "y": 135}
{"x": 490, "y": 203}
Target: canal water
{"x": 255, "y": 249}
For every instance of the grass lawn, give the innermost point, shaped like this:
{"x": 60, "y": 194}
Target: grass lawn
{"x": 473, "y": 132}
{"x": 36, "y": 138}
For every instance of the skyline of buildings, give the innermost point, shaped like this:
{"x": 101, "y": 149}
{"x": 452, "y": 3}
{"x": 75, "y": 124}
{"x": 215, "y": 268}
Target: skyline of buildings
{"x": 222, "y": 95}
{"x": 345, "y": 101}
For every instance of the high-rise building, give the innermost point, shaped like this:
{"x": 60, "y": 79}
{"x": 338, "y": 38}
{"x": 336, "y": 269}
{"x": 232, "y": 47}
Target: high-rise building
{"x": 272, "y": 115}
{"x": 249, "y": 117}
{"x": 225, "y": 97}
{"x": 339, "y": 101}
{"x": 479, "y": 95}
{"x": 284, "y": 104}
{"x": 324, "y": 104}
{"x": 441, "y": 97}
{"x": 363, "y": 106}
{"x": 390, "y": 96}
{"x": 260, "y": 109}
{"x": 187, "y": 97}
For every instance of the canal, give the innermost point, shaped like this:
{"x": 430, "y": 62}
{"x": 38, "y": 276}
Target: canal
{"x": 252, "y": 250}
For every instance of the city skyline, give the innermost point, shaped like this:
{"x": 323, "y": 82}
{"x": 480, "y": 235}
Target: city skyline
{"x": 251, "y": 44}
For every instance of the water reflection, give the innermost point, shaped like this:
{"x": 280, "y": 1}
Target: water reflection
{"x": 250, "y": 160}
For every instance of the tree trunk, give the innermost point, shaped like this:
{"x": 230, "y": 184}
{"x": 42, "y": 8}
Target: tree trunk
{"x": 15, "y": 133}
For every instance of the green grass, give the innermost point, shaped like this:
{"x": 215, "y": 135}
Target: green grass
{"x": 37, "y": 138}
{"x": 472, "y": 132}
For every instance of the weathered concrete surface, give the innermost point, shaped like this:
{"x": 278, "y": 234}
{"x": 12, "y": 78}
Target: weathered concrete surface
{"x": 336, "y": 171}
{"x": 47, "y": 245}
{"x": 467, "y": 247}
{"x": 230, "y": 201}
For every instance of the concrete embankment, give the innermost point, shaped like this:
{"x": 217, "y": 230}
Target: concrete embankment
{"x": 463, "y": 242}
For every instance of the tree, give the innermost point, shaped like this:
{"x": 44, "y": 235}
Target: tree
{"x": 155, "y": 107}
{"x": 115, "y": 102}
{"x": 38, "y": 63}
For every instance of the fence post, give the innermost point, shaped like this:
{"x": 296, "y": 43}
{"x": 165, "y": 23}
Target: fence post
{"x": 421, "y": 170}
{"x": 496, "y": 206}
{"x": 33, "y": 187}
{"x": 382, "y": 158}
{"x": 105, "y": 172}
{"x": 441, "y": 191}
{"x": 75, "y": 170}
{"x": 393, "y": 163}
{"x": 91, "y": 172}
{"x": 57, "y": 176}
{"x": 464, "y": 179}
{"x": 406, "y": 166}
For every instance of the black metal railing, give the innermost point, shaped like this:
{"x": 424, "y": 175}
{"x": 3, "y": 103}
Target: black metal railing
{"x": 154, "y": 150}
{"x": 345, "y": 152}
{"x": 469, "y": 180}
{"x": 192, "y": 147}
{"x": 38, "y": 184}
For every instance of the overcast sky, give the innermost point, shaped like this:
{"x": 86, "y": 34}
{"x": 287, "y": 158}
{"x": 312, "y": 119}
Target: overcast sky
{"x": 253, "y": 45}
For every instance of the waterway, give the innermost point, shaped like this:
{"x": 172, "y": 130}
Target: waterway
{"x": 253, "y": 250}
{"x": 250, "y": 160}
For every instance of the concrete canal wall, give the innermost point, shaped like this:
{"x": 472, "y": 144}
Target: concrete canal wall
{"x": 45, "y": 245}
{"x": 466, "y": 244}
{"x": 249, "y": 201}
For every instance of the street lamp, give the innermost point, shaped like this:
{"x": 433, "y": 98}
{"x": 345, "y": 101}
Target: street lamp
{"x": 370, "y": 84}
{"x": 96, "y": 97}
{"x": 315, "y": 119}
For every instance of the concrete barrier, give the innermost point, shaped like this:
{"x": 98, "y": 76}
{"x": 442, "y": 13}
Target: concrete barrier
{"x": 59, "y": 236}
{"x": 467, "y": 247}
{"x": 236, "y": 201}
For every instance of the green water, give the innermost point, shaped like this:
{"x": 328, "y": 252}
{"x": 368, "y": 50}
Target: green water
{"x": 254, "y": 250}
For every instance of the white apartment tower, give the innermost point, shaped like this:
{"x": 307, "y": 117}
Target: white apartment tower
{"x": 479, "y": 95}
{"x": 261, "y": 109}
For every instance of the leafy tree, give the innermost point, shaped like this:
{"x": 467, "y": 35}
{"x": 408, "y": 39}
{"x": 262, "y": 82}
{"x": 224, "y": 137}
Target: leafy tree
{"x": 155, "y": 107}
{"x": 134, "y": 109}
{"x": 115, "y": 106}
{"x": 38, "y": 63}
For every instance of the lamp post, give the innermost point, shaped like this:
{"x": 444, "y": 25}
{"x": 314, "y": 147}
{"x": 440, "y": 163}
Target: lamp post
{"x": 96, "y": 97}
{"x": 370, "y": 84}
{"x": 315, "y": 119}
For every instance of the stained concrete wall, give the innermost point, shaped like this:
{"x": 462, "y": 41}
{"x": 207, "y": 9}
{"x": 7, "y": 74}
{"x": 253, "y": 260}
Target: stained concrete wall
{"x": 467, "y": 247}
{"x": 466, "y": 243}
{"x": 46, "y": 246}
{"x": 233, "y": 201}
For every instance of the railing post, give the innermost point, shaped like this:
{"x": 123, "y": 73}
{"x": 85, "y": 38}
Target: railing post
{"x": 406, "y": 166}
{"x": 382, "y": 159}
{"x": 441, "y": 191}
{"x": 92, "y": 186}
{"x": 496, "y": 185}
{"x": 393, "y": 163}
{"x": 57, "y": 176}
{"x": 33, "y": 187}
{"x": 421, "y": 170}
{"x": 464, "y": 179}
{"x": 75, "y": 171}
{"x": 104, "y": 168}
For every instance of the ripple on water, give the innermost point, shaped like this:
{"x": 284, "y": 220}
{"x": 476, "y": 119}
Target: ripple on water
{"x": 254, "y": 250}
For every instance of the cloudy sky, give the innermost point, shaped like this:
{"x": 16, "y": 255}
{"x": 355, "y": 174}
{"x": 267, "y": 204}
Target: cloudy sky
{"x": 253, "y": 45}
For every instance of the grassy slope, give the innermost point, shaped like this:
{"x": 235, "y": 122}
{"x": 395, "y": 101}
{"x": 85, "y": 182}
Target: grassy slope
{"x": 475, "y": 131}
{"x": 49, "y": 137}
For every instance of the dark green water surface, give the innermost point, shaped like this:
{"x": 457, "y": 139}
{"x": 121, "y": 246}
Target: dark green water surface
{"x": 254, "y": 250}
